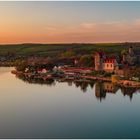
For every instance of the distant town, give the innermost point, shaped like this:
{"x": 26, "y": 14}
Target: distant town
{"x": 122, "y": 69}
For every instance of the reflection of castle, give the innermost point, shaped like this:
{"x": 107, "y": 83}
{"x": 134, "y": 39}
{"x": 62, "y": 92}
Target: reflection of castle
{"x": 99, "y": 92}
{"x": 101, "y": 89}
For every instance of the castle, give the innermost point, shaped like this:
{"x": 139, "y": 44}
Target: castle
{"x": 110, "y": 64}
{"x": 104, "y": 63}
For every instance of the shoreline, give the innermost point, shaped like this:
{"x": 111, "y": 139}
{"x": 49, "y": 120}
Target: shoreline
{"x": 123, "y": 83}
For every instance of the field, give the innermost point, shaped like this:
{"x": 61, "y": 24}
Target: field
{"x": 57, "y": 49}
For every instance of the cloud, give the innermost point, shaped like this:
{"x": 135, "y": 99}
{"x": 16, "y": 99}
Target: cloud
{"x": 116, "y": 31}
{"x": 110, "y": 31}
{"x": 88, "y": 25}
{"x": 49, "y": 28}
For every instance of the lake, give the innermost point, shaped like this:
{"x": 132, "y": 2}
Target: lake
{"x": 30, "y": 109}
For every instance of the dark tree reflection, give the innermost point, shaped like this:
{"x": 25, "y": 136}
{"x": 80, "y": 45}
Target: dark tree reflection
{"x": 101, "y": 89}
{"x": 128, "y": 91}
{"x": 34, "y": 80}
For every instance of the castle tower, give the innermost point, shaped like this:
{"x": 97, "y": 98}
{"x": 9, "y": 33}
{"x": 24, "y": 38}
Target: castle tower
{"x": 98, "y": 61}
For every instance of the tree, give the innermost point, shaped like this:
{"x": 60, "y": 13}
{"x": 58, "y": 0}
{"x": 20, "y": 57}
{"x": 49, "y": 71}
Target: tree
{"x": 86, "y": 60}
{"x": 124, "y": 52}
{"x": 69, "y": 53}
{"x": 20, "y": 65}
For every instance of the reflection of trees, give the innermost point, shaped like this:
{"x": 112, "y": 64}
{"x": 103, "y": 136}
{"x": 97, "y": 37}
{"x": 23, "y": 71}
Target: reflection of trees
{"x": 101, "y": 88}
{"x": 128, "y": 91}
{"x": 77, "y": 84}
{"x": 83, "y": 85}
{"x": 92, "y": 84}
{"x": 34, "y": 80}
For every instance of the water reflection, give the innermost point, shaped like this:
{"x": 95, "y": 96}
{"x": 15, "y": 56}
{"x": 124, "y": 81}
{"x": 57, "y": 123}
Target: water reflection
{"x": 101, "y": 88}
{"x": 51, "y": 109}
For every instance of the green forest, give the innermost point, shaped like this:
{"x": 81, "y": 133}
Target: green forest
{"x": 64, "y": 49}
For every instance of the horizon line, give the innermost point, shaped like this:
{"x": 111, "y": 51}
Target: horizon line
{"x": 39, "y": 43}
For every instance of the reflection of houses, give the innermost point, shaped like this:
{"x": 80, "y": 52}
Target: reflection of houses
{"x": 109, "y": 87}
{"x": 102, "y": 88}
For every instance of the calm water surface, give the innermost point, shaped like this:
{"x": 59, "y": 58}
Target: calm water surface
{"x": 63, "y": 110}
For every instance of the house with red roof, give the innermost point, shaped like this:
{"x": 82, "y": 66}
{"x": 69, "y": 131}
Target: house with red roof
{"x": 103, "y": 63}
{"x": 109, "y": 64}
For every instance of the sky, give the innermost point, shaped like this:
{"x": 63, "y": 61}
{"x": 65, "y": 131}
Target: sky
{"x": 69, "y": 21}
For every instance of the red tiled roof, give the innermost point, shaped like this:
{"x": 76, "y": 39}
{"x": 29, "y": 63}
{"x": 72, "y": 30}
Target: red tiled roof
{"x": 110, "y": 60}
